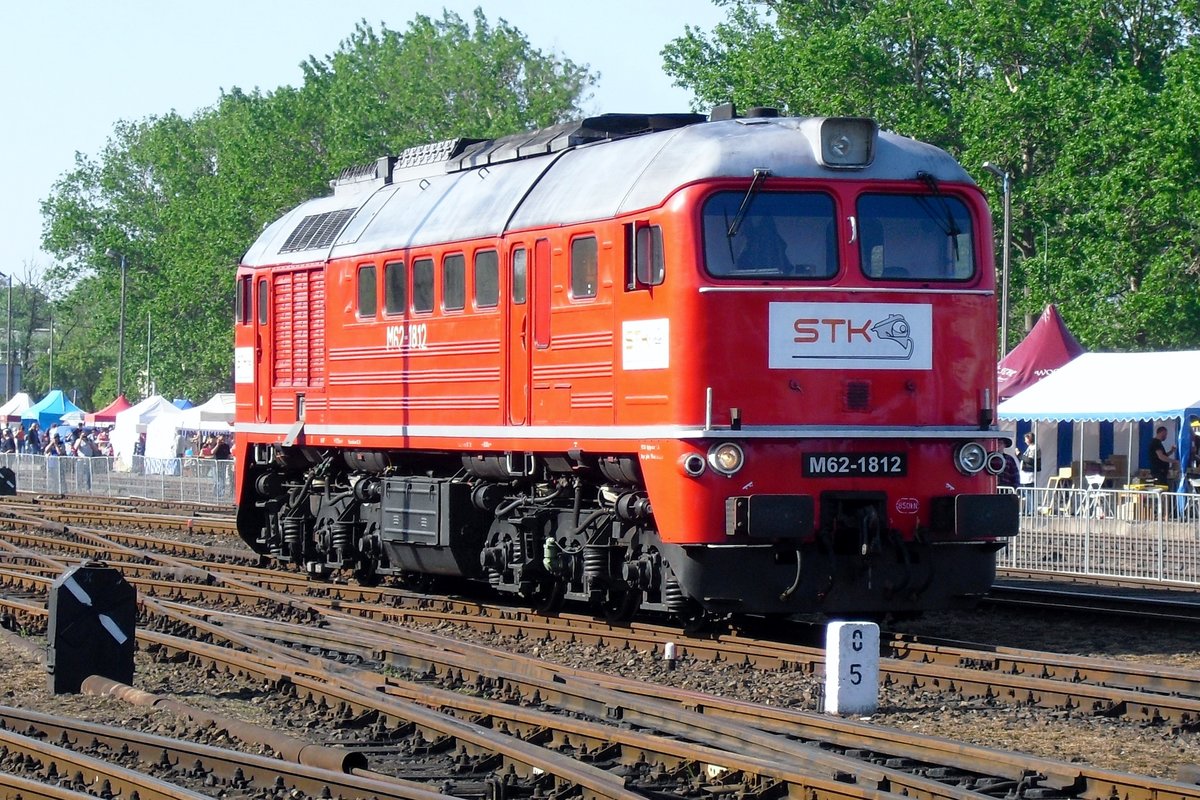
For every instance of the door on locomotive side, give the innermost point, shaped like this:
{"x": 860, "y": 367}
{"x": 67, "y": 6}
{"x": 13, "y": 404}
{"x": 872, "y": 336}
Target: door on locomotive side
{"x": 262, "y": 348}
{"x": 518, "y": 335}
{"x": 541, "y": 285}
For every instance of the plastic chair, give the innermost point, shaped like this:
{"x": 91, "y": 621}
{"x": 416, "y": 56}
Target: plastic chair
{"x": 1096, "y": 501}
{"x": 1060, "y": 481}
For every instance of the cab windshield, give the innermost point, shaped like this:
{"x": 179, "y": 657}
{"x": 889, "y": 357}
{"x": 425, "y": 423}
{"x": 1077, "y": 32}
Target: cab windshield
{"x": 915, "y": 237}
{"x": 786, "y": 235}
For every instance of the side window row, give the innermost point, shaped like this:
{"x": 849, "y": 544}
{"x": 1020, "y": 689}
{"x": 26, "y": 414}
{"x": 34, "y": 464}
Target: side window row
{"x": 396, "y": 299}
{"x": 646, "y": 268}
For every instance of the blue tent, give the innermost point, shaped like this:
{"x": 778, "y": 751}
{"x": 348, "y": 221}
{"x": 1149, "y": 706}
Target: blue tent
{"x": 49, "y": 410}
{"x": 182, "y": 403}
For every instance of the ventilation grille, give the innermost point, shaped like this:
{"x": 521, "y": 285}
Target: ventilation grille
{"x": 317, "y": 231}
{"x": 858, "y": 396}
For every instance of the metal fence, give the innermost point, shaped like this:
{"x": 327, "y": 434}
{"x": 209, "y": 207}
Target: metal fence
{"x": 1115, "y": 533}
{"x": 194, "y": 480}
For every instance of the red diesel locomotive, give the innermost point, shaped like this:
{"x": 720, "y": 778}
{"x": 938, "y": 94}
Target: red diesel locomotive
{"x": 704, "y": 365}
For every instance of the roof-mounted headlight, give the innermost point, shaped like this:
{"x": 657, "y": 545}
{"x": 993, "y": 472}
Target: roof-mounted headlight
{"x": 848, "y": 142}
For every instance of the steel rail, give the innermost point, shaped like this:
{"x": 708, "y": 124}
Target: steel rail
{"x": 53, "y": 762}
{"x": 781, "y": 759}
{"x": 231, "y": 766}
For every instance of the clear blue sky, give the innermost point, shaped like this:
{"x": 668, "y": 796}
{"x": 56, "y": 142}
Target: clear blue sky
{"x": 72, "y": 68}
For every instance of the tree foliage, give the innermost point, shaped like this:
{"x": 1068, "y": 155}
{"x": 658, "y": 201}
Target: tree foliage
{"x": 1089, "y": 105}
{"x": 182, "y": 198}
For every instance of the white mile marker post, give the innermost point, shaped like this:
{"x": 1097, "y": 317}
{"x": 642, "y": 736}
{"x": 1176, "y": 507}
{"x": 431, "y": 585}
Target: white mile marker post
{"x": 851, "y": 668}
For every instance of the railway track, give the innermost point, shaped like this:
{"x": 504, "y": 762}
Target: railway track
{"x": 1008, "y": 675}
{"x": 359, "y": 635}
{"x": 1125, "y": 597}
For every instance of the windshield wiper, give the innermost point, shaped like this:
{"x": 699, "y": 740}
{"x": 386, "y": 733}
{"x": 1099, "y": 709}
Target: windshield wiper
{"x": 760, "y": 175}
{"x": 950, "y": 227}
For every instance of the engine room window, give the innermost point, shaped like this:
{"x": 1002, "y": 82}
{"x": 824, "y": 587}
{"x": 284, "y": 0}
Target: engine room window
{"x": 395, "y": 287}
{"x": 583, "y": 267}
{"x": 520, "y": 267}
{"x": 454, "y": 282}
{"x": 422, "y": 285}
{"x": 487, "y": 279}
{"x": 773, "y": 235}
{"x": 915, "y": 237}
{"x": 366, "y": 291}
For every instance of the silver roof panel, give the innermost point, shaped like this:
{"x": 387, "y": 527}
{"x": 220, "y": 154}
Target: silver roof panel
{"x": 594, "y": 181}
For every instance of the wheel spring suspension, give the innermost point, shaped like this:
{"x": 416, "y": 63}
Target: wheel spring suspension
{"x": 293, "y": 533}
{"x": 595, "y": 560}
{"x": 341, "y": 536}
{"x": 673, "y": 596}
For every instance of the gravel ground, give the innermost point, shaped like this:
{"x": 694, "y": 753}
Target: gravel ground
{"x": 1107, "y": 743}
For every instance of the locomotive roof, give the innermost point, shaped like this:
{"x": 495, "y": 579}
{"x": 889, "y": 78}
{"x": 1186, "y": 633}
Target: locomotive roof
{"x": 596, "y": 169}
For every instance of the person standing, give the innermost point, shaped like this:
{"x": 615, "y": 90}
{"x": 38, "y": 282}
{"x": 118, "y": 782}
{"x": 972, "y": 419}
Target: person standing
{"x": 1031, "y": 462}
{"x": 221, "y": 456}
{"x": 1161, "y": 457}
{"x": 86, "y": 450}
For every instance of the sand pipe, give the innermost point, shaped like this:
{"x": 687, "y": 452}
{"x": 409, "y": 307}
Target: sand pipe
{"x": 289, "y": 747}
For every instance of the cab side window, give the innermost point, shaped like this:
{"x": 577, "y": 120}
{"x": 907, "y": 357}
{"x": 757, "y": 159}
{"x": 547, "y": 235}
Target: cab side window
{"x": 649, "y": 264}
{"x": 263, "y": 305}
{"x": 366, "y": 292}
{"x": 583, "y": 267}
{"x": 243, "y": 308}
{"x": 520, "y": 266}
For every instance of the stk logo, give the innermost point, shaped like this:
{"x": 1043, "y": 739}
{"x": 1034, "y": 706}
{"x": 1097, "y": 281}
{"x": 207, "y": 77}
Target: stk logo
{"x": 895, "y": 328}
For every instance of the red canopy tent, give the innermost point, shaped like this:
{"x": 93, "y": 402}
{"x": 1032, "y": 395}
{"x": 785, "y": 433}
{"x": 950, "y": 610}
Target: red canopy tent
{"x": 1047, "y": 347}
{"x": 109, "y": 412}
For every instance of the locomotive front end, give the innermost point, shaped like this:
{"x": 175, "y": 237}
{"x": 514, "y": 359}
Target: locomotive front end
{"x": 847, "y": 458}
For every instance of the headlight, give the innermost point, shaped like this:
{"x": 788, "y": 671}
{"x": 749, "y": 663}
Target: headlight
{"x": 726, "y": 458}
{"x": 996, "y": 463}
{"x": 970, "y": 458}
{"x": 692, "y": 465}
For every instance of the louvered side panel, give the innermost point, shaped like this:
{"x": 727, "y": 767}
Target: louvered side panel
{"x": 316, "y": 326}
{"x": 283, "y": 333}
{"x": 300, "y": 328}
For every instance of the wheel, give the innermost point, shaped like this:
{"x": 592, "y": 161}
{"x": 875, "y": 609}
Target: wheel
{"x": 366, "y": 572}
{"x": 619, "y": 605}
{"x": 546, "y": 595}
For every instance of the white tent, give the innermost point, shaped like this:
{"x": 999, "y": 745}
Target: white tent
{"x": 11, "y": 411}
{"x": 218, "y": 408}
{"x": 214, "y": 416}
{"x": 1116, "y": 387}
{"x": 132, "y": 422}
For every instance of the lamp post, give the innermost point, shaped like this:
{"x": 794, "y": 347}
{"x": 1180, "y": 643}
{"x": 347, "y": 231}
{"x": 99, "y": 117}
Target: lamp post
{"x": 8, "y": 367}
{"x": 1006, "y": 184}
{"x": 121, "y": 329}
{"x": 50, "y": 331}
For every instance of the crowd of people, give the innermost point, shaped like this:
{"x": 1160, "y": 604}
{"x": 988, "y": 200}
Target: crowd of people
{"x": 58, "y": 440}
{"x": 67, "y": 440}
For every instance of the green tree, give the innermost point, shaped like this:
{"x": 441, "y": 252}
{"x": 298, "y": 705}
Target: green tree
{"x": 182, "y": 198}
{"x": 1086, "y": 103}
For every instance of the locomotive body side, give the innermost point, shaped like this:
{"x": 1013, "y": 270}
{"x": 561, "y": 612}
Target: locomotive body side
{"x": 605, "y": 393}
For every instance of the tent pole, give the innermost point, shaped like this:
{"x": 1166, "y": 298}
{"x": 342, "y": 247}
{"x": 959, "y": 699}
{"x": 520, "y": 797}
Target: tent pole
{"x": 1129, "y": 457}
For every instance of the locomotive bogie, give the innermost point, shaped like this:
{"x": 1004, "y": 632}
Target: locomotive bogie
{"x": 656, "y": 362}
